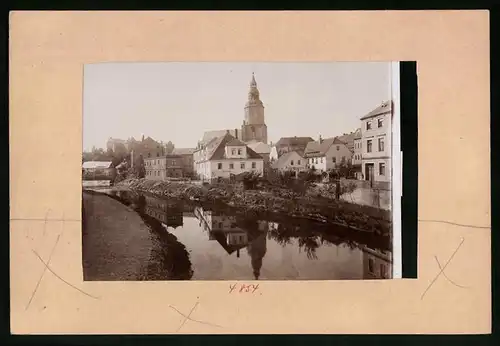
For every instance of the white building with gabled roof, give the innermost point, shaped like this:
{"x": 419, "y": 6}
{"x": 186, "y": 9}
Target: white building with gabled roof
{"x": 225, "y": 156}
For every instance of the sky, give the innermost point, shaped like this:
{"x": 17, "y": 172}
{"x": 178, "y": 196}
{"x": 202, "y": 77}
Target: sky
{"x": 179, "y": 101}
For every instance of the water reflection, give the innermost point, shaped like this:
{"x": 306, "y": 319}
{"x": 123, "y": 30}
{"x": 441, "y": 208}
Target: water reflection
{"x": 209, "y": 244}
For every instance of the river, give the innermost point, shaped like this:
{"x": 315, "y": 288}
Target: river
{"x": 204, "y": 243}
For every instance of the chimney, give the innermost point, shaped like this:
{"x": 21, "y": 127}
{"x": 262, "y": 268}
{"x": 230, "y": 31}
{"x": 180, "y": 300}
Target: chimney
{"x": 227, "y": 131}
{"x": 236, "y": 133}
{"x": 320, "y": 139}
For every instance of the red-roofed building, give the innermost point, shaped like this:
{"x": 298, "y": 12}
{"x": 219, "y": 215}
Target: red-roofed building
{"x": 225, "y": 156}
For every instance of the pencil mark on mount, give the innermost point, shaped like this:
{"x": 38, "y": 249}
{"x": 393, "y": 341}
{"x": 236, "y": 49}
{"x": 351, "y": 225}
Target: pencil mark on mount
{"x": 43, "y": 272}
{"x": 60, "y": 278}
{"x": 446, "y": 276}
{"x": 442, "y": 269}
{"x": 45, "y": 221}
{"x": 188, "y": 317}
{"x": 455, "y": 224}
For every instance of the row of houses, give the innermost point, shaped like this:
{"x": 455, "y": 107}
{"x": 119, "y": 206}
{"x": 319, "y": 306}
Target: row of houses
{"x": 223, "y": 153}
{"x": 368, "y": 149}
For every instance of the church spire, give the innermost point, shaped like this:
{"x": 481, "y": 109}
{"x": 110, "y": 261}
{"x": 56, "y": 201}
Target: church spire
{"x": 253, "y": 93}
{"x": 253, "y": 83}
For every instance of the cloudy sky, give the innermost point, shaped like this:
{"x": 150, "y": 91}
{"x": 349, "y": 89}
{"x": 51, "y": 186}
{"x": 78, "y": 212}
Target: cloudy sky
{"x": 179, "y": 101}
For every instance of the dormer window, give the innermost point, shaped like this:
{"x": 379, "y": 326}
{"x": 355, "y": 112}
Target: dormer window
{"x": 234, "y": 151}
{"x": 239, "y": 151}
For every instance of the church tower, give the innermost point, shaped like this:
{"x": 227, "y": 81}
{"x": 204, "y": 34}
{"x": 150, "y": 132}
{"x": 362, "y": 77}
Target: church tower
{"x": 254, "y": 128}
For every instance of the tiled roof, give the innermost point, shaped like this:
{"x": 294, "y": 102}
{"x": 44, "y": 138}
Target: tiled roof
{"x": 281, "y": 162}
{"x": 218, "y": 151}
{"x": 382, "y": 109}
{"x": 235, "y": 142}
{"x": 209, "y": 135}
{"x": 294, "y": 141}
{"x": 319, "y": 149}
{"x": 260, "y": 147}
{"x": 183, "y": 151}
{"x": 350, "y": 137}
{"x": 97, "y": 164}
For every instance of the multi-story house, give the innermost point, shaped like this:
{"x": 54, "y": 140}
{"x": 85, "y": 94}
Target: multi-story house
{"x": 291, "y": 161}
{"x": 263, "y": 150}
{"x": 348, "y": 138}
{"x": 187, "y": 162}
{"x": 288, "y": 144}
{"x": 147, "y": 147}
{"x": 225, "y": 156}
{"x": 357, "y": 155}
{"x": 161, "y": 168}
{"x": 376, "y": 143}
{"x": 326, "y": 154}
{"x": 377, "y": 264}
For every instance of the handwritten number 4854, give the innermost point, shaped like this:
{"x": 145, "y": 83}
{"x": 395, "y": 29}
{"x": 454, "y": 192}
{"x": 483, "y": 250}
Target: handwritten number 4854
{"x": 243, "y": 288}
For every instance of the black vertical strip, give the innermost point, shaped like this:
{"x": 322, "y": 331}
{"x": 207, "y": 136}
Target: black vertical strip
{"x": 494, "y": 159}
{"x": 409, "y": 146}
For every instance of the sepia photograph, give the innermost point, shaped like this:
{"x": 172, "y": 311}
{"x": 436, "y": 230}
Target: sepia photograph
{"x": 240, "y": 171}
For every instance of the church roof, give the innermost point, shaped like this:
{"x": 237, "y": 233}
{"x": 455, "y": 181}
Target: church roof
{"x": 259, "y": 147}
{"x": 218, "y": 151}
{"x": 183, "y": 151}
{"x": 385, "y": 107}
{"x": 284, "y": 141}
{"x": 316, "y": 148}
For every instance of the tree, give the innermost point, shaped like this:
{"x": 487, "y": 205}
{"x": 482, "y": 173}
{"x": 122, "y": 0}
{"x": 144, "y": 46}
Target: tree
{"x": 139, "y": 169}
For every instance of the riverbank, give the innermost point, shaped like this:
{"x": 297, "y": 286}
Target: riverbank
{"x": 116, "y": 242}
{"x": 313, "y": 205}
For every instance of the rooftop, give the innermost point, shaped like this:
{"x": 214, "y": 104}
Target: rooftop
{"x": 97, "y": 164}
{"x": 384, "y": 108}
{"x": 294, "y": 141}
{"x": 183, "y": 151}
{"x": 316, "y": 148}
{"x": 217, "y": 148}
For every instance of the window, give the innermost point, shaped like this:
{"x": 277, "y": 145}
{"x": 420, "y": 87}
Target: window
{"x": 381, "y": 168}
{"x": 369, "y": 146}
{"x": 334, "y": 159}
{"x": 233, "y": 151}
{"x": 298, "y": 162}
{"x": 380, "y": 144}
{"x": 343, "y": 158}
{"x": 321, "y": 160}
{"x": 239, "y": 151}
{"x": 219, "y": 166}
{"x": 242, "y": 165}
{"x": 231, "y": 166}
{"x": 157, "y": 154}
{"x": 316, "y": 160}
{"x": 291, "y": 163}
{"x": 370, "y": 265}
{"x": 380, "y": 123}
{"x": 254, "y": 165}
{"x": 220, "y": 225}
{"x": 338, "y": 147}
{"x": 383, "y": 273}
{"x": 149, "y": 154}
{"x": 368, "y": 125}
